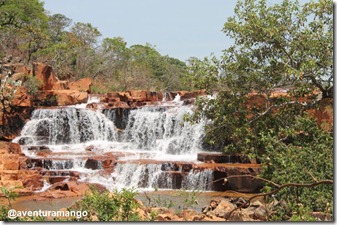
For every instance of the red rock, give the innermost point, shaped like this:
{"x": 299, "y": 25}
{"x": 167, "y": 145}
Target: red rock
{"x": 113, "y": 99}
{"x": 138, "y": 104}
{"x": 31, "y": 179}
{"x": 323, "y": 114}
{"x": 62, "y": 194}
{"x": 94, "y": 106}
{"x": 45, "y": 74}
{"x": 11, "y": 184}
{"x": 55, "y": 179}
{"x": 22, "y": 162}
{"x": 82, "y": 85}
{"x": 138, "y": 95}
{"x": 78, "y": 188}
{"x": 61, "y": 85}
{"x": 112, "y": 94}
{"x": 119, "y": 105}
{"x": 124, "y": 96}
{"x": 21, "y": 98}
{"x": 154, "y": 96}
{"x": 9, "y": 147}
{"x": 64, "y": 97}
{"x": 223, "y": 209}
{"x": 9, "y": 175}
{"x": 19, "y": 68}
{"x": 10, "y": 161}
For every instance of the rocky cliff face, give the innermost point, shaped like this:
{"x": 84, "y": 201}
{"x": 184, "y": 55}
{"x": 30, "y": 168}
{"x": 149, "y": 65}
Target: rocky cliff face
{"x": 13, "y": 170}
{"x": 22, "y": 88}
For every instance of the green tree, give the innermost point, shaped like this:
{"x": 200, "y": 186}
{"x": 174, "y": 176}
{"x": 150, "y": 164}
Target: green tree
{"x": 56, "y": 27}
{"x": 302, "y": 153}
{"x": 283, "y": 44}
{"x": 204, "y": 74}
{"x": 137, "y": 67}
{"x": 23, "y": 27}
{"x": 20, "y": 13}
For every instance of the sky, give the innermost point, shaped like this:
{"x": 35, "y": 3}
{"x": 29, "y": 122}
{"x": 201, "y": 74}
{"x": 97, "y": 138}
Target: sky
{"x": 178, "y": 28}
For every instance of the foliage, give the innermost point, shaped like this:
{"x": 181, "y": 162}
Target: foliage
{"x": 118, "y": 206}
{"x": 204, "y": 74}
{"x": 138, "y": 67}
{"x": 283, "y": 44}
{"x": 289, "y": 46}
{"x": 158, "y": 201}
{"x": 23, "y": 27}
{"x": 75, "y": 51}
{"x": 19, "y": 14}
{"x": 302, "y": 153}
{"x": 32, "y": 84}
{"x": 190, "y": 198}
{"x": 9, "y": 194}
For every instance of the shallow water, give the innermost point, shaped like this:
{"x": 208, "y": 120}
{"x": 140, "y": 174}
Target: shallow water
{"x": 176, "y": 200}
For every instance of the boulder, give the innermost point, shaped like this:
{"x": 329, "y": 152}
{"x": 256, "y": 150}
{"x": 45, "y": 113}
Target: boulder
{"x": 224, "y": 208}
{"x": 82, "y": 85}
{"x": 260, "y": 213}
{"x": 45, "y": 74}
{"x": 62, "y": 97}
{"x": 70, "y": 97}
{"x": 78, "y": 188}
{"x": 14, "y": 112}
{"x": 31, "y": 179}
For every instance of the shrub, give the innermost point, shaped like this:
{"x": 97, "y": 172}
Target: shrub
{"x": 115, "y": 206}
{"x": 32, "y": 84}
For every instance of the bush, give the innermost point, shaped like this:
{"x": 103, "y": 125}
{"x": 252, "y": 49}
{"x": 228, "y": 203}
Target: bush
{"x": 115, "y": 206}
{"x": 32, "y": 84}
{"x": 300, "y": 154}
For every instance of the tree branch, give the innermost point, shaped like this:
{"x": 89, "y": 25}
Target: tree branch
{"x": 274, "y": 106}
{"x": 254, "y": 177}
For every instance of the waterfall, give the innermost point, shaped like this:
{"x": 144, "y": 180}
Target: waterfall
{"x": 66, "y": 126}
{"x": 198, "y": 180}
{"x": 154, "y": 176}
{"x": 164, "y": 130}
{"x": 152, "y": 138}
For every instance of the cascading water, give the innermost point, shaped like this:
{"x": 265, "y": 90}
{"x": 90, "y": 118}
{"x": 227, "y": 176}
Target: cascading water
{"x": 147, "y": 138}
{"x": 163, "y": 130}
{"x": 66, "y": 126}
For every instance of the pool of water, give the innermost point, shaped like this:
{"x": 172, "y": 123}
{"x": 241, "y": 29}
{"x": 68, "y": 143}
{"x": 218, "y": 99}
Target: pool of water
{"x": 177, "y": 200}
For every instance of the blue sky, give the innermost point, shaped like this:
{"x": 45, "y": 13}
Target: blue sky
{"x": 178, "y": 28}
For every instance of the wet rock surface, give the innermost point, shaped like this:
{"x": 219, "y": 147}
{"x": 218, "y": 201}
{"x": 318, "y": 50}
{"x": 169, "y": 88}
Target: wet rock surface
{"x": 14, "y": 175}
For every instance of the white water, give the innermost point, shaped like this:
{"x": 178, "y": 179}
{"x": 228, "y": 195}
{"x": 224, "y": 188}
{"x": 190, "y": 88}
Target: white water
{"x": 153, "y": 132}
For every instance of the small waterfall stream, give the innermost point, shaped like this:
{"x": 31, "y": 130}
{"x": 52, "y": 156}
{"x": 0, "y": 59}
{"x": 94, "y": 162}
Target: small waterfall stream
{"x": 152, "y": 144}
